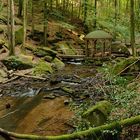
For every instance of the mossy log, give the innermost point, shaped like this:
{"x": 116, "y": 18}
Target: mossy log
{"x": 81, "y": 134}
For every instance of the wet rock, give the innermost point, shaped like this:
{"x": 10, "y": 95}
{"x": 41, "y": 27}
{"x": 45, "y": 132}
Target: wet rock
{"x": 50, "y": 96}
{"x": 66, "y": 102}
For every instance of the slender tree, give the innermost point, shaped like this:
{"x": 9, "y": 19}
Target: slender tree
{"x": 20, "y": 3}
{"x": 32, "y": 11}
{"x": 95, "y": 14}
{"x": 132, "y": 27}
{"x": 24, "y": 22}
{"x": 12, "y": 30}
{"x": 45, "y": 23}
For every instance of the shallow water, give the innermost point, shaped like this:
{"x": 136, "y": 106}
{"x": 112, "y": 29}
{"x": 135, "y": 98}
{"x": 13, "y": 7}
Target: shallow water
{"x": 36, "y": 111}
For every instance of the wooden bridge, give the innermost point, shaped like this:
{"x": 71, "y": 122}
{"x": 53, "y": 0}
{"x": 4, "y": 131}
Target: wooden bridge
{"x": 80, "y": 56}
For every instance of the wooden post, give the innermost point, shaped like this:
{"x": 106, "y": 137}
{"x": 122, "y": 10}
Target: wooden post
{"x": 87, "y": 49}
{"x": 94, "y": 48}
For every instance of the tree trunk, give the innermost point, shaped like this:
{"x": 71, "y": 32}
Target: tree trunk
{"x": 95, "y": 14}
{"x": 12, "y": 31}
{"x": 24, "y": 22}
{"x": 33, "y": 25}
{"x": 20, "y": 8}
{"x": 132, "y": 27}
{"x": 45, "y": 23}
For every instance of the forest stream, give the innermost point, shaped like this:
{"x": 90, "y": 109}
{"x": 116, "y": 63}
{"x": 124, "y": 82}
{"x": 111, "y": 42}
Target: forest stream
{"x": 36, "y": 107}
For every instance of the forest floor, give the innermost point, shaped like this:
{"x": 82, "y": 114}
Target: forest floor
{"x": 48, "y": 107}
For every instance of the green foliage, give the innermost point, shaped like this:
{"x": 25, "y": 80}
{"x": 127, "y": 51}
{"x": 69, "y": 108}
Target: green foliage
{"x": 120, "y": 30}
{"x": 78, "y": 122}
{"x": 124, "y": 98}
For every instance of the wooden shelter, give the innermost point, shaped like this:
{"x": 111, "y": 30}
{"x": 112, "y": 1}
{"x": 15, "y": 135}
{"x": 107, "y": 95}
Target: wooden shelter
{"x": 93, "y": 38}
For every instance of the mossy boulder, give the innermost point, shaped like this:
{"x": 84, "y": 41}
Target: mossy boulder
{"x": 120, "y": 48}
{"x": 65, "y": 48}
{"x": 48, "y": 58}
{"x": 42, "y": 68}
{"x": 18, "y": 62}
{"x": 45, "y": 51}
{"x": 58, "y": 64}
{"x": 98, "y": 114}
{"x": 127, "y": 65}
{"x": 19, "y": 36}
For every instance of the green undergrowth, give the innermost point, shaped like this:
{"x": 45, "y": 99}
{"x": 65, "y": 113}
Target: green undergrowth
{"x": 121, "y": 92}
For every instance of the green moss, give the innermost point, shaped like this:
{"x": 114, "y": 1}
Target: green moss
{"x": 42, "y": 68}
{"x": 97, "y": 115}
{"x": 19, "y": 36}
{"x": 58, "y": 64}
{"x": 14, "y": 62}
{"x": 45, "y": 51}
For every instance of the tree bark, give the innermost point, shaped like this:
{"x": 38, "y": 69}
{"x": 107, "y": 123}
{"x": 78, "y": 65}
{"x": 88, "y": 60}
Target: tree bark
{"x": 24, "y": 22}
{"x": 12, "y": 30}
{"x": 132, "y": 27}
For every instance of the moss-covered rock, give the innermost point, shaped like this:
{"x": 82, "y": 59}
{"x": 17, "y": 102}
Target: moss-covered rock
{"x": 98, "y": 114}
{"x": 48, "y": 58}
{"x": 42, "y": 68}
{"x": 19, "y": 36}
{"x": 119, "y": 48}
{"x": 65, "y": 48}
{"x": 45, "y": 51}
{"x": 58, "y": 64}
{"x": 132, "y": 63}
{"x": 20, "y": 62}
